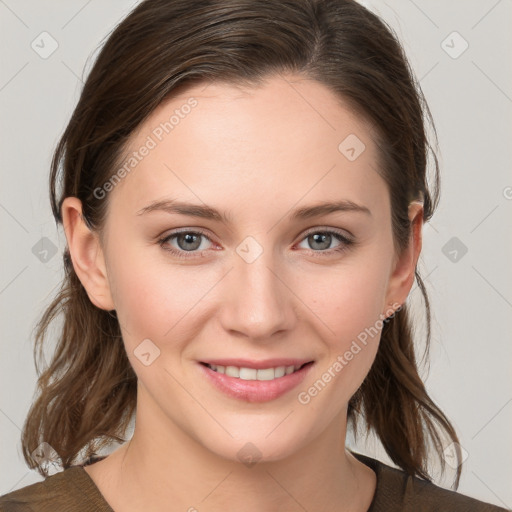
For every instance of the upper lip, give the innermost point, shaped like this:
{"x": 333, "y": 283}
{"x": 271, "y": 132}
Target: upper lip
{"x": 258, "y": 365}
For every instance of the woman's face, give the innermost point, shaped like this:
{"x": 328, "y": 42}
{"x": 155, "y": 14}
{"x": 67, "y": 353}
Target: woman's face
{"x": 264, "y": 277}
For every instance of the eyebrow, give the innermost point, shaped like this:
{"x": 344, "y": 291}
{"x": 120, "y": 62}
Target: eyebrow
{"x": 207, "y": 212}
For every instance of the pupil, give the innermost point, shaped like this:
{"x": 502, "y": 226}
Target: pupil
{"x": 189, "y": 238}
{"x": 321, "y": 238}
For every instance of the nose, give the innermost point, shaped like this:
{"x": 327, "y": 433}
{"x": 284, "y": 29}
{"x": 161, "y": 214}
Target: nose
{"x": 258, "y": 304}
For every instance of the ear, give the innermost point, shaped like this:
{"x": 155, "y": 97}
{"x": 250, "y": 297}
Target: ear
{"x": 86, "y": 254}
{"x": 402, "y": 277}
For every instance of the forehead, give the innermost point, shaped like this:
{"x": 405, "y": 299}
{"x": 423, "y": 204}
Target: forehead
{"x": 286, "y": 139}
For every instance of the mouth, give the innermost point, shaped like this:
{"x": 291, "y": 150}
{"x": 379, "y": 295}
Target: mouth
{"x": 260, "y": 374}
{"x": 250, "y": 384}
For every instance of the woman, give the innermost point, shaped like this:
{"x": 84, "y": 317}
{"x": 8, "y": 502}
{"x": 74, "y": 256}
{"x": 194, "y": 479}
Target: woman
{"x": 242, "y": 186}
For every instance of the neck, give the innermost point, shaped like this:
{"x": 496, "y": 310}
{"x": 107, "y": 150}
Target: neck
{"x": 164, "y": 468}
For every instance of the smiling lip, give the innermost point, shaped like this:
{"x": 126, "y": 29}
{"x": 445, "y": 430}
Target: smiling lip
{"x": 257, "y": 365}
{"x": 256, "y": 390}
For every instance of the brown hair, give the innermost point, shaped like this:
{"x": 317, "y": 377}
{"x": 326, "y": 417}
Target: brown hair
{"x": 88, "y": 391}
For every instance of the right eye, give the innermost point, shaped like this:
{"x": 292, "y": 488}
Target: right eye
{"x": 187, "y": 241}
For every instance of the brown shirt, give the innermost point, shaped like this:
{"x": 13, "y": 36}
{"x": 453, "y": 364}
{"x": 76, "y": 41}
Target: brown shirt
{"x": 73, "y": 490}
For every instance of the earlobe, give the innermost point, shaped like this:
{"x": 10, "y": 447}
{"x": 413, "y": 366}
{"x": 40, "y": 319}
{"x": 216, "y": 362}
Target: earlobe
{"x": 402, "y": 277}
{"x": 86, "y": 254}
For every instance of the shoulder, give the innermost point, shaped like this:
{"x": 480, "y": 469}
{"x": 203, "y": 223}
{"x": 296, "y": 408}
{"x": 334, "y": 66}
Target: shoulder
{"x": 71, "y": 490}
{"x": 421, "y": 495}
{"x": 399, "y": 492}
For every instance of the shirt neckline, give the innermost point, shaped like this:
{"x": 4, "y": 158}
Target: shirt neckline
{"x": 375, "y": 465}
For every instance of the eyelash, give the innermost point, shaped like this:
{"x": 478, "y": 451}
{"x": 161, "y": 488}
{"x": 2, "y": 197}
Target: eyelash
{"x": 345, "y": 246}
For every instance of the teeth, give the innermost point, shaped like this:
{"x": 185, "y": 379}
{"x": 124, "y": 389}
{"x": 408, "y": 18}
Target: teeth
{"x": 253, "y": 374}
{"x": 248, "y": 374}
{"x": 280, "y": 371}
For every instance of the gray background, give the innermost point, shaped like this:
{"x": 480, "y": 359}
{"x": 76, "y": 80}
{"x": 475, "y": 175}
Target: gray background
{"x": 470, "y": 95}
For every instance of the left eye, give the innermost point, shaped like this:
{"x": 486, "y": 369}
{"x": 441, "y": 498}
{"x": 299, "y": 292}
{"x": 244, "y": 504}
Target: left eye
{"x": 321, "y": 240}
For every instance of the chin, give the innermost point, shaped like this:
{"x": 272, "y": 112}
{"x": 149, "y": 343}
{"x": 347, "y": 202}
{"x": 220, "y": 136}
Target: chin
{"x": 250, "y": 450}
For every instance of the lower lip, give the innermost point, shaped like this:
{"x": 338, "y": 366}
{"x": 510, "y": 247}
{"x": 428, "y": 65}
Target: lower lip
{"x": 255, "y": 390}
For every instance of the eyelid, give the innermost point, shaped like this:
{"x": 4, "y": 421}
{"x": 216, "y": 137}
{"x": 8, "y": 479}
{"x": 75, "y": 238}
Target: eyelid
{"x": 319, "y": 229}
{"x": 178, "y": 231}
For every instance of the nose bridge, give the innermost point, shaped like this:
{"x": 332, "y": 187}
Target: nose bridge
{"x": 259, "y": 303}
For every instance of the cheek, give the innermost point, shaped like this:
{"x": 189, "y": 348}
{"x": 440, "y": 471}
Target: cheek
{"x": 349, "y": 304}
{"x": 346, "y": 298}
{"x": 157, "y": 300}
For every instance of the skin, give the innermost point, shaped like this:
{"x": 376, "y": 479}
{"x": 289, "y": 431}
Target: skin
{"x": 256, "y": 154}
